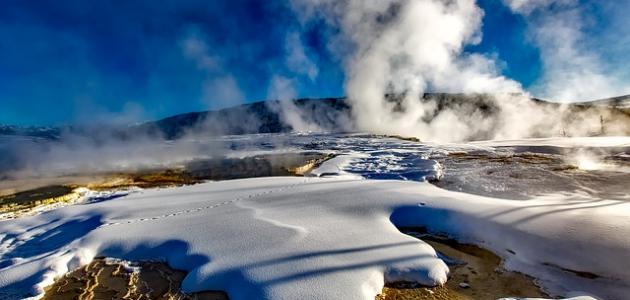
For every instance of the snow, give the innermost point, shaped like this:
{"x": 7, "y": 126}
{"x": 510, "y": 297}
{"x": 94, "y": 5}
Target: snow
{"x": 540, "y": 237}
{"x": 330, "y": 236}
{"x": 336, "y": 166}
{"x": 279, "y": 238}
{"x": 604, "y": 141}
{"x": 285, "y": 238}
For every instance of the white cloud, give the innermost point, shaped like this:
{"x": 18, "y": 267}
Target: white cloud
{"x": 527, "y": 6}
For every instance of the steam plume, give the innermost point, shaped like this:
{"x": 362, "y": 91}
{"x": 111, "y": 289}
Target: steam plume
{"x": 406, "y": 48}
{"x": 572, "y": 69}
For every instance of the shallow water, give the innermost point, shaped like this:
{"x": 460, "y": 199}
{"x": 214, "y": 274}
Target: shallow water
{"x": 515, "y": 172}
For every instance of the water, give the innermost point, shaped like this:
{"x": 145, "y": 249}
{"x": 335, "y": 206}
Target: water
{"x": 502, "y": 171}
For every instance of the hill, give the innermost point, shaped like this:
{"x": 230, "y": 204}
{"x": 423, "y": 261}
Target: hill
{"x": 328, "y": 114}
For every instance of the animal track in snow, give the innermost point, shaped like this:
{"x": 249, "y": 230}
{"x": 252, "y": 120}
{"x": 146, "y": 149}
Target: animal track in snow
{"x": 199, "y": 209}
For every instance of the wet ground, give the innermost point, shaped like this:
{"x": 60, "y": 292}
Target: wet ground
{"x": 17, "y": 204}
{"x": 35, "y": 194}
{"x": 509, "y": 174}
{"x": 476, "y": 274}
{"x": 113, "y": 279}
{"x": 195, "y": 171}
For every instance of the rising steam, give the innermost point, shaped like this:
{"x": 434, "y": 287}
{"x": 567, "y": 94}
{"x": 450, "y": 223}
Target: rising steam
{"x": 572, "y": 67}
{"x": 406, "y": 48}
{"x": 393, "y": 51}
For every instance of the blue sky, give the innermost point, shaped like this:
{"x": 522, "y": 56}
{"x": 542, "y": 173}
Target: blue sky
{"x": 81, "y": 61}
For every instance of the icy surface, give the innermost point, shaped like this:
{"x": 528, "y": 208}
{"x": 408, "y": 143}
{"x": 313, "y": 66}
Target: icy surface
{"x": 358, "y": 156}
{"x": 606, "y": 141}
{"x": 330, "y": 236}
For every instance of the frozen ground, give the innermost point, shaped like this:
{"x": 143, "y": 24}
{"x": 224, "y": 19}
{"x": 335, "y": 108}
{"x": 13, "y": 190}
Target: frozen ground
{"x": 333, "y": 236}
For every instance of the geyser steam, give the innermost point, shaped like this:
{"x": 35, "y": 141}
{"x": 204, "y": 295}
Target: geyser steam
{"x": 408, "y": 47}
